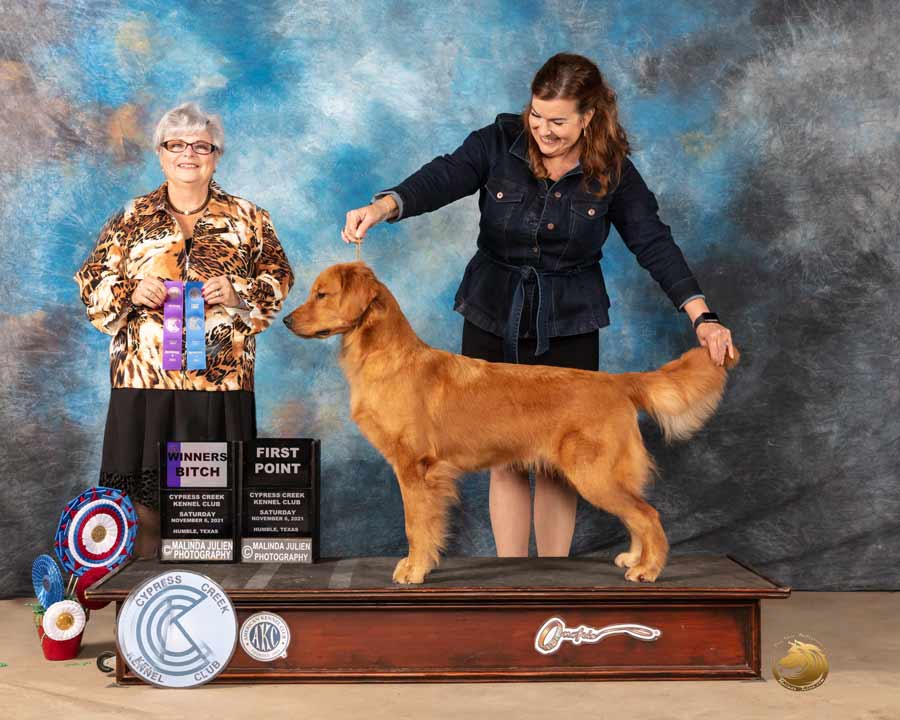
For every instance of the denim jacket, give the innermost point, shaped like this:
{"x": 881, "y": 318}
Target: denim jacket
{"x": 536, "y": 272}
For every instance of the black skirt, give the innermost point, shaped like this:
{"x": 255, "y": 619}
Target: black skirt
{"x": 574, "y": 351}
{"x": 138, "y": 420}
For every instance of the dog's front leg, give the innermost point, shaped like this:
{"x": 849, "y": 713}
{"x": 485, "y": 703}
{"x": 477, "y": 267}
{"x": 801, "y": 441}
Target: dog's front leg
{"x": 426, "y": 496}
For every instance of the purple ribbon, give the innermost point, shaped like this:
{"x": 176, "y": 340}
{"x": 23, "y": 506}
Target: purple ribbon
{"x": 173, "y": 320}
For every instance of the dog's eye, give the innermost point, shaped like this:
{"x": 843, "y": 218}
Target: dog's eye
{"x": 320, "y": 295}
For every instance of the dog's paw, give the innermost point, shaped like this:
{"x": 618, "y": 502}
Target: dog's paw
{"x": 407, "y": 574}
{"x": 643, "y": 573}
{"x": 627, "y": 559}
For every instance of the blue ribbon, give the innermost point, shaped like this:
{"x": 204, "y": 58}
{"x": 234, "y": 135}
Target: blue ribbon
{"x": 195, "y": 322}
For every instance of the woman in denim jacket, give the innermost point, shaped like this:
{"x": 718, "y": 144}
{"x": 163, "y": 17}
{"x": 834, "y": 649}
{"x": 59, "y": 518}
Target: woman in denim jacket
{"x": 550, "y": 183}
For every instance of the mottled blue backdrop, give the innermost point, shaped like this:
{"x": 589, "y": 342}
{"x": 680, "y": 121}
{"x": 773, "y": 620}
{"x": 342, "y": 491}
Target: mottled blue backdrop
{"x": 768, "y": 130}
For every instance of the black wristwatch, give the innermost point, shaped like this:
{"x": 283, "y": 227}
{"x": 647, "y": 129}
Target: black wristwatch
{"x": 704, "y": 318}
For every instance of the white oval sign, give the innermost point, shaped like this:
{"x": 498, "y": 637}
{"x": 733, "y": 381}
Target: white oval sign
{"x": 177, "y": 629}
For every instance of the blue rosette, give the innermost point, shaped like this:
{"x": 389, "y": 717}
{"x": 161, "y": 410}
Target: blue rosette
{"x": 47, "y": 580}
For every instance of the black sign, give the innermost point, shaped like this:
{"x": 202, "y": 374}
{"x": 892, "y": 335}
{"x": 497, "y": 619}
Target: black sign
{"x": 276, "y": 511}
{"x": 197, "y": 483}
{"x": 280, "y": 501}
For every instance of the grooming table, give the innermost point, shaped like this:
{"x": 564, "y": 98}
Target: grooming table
{"x": 489, "y": 619}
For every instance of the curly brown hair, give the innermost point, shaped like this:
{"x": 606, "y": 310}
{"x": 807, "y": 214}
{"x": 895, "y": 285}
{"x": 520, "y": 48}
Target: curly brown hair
{"x": 575, "y": 77}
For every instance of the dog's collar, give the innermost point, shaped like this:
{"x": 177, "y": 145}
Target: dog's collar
{"x": 355, "y": 324}
{"x": 362, "y": 318}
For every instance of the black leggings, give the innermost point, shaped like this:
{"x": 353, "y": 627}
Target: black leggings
{"x": 574, "y": 351}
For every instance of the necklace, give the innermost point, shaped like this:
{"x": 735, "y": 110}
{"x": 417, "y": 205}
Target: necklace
{"x": 187, "y": 212}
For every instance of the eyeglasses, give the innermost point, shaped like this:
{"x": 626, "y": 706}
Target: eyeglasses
{"x": 201, "y": 147}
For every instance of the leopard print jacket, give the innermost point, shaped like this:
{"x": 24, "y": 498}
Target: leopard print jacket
{"x": 234, "y": 238}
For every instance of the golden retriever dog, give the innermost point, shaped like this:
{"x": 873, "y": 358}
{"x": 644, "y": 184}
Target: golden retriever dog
{"x": 434, "y": 415}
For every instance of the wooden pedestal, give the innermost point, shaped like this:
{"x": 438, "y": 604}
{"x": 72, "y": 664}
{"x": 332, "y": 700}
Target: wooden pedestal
{"x": 479, "y": 619}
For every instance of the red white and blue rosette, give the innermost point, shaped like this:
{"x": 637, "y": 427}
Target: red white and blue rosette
{"x": 96, "y": 529}
{"x": 47, "y": 580}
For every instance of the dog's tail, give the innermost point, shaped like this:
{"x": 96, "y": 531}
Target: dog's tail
{"x": 683, "y": 394}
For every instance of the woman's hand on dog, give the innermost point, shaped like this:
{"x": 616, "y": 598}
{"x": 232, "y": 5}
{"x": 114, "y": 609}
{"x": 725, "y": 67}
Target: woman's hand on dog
{"x": 360, "y": 220}
{"x": 717, "y": 339}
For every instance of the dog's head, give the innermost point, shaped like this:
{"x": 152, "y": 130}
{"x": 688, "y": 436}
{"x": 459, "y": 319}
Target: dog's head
{"x": 337, "y": 302}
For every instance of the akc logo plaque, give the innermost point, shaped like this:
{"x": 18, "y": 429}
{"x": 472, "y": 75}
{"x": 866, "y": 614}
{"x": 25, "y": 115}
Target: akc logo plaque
{"x": 265, "y": 636}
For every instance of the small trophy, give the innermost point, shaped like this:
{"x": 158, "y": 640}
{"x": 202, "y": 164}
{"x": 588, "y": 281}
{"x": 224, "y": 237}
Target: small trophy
{"x": 280, "y": 501}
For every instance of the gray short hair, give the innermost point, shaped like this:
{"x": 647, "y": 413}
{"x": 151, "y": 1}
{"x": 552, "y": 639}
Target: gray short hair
{"x": 188, "y": 118}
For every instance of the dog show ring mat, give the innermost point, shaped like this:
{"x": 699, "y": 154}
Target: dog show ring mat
{"x": 481, "y": 619}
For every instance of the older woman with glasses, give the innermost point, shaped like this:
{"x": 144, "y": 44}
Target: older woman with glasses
{"x": 188, "y": 229}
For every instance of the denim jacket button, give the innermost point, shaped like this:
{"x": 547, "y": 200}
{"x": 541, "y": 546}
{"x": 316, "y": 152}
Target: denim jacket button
{"x": 499, "y": 195}
{"x": 592, "y": 212}
{"x": 557, "y": 194}
{"x": 550, "y": 226}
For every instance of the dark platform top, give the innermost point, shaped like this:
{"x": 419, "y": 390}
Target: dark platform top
{"x": 481, "y": 579}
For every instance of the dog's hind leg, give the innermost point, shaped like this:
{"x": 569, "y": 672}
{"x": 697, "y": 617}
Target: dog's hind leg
{"x": 633, "y": 556}
{"x": 612, "y": 478}
{"x": 428, "y": 487}
{"x": 631, "y": 472}
{"x": 638, "y": 474}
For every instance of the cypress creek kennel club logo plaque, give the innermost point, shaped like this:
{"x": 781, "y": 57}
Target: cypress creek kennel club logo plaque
{"x": 280, "y": 501}
{"x": 177, "y": 629}
{"x": 197, "y": 501}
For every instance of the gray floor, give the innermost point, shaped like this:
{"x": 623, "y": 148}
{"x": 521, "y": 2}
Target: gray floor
{"x": 860, "y": 633}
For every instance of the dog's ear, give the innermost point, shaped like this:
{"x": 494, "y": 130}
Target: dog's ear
{"x": 359, "y": 287}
